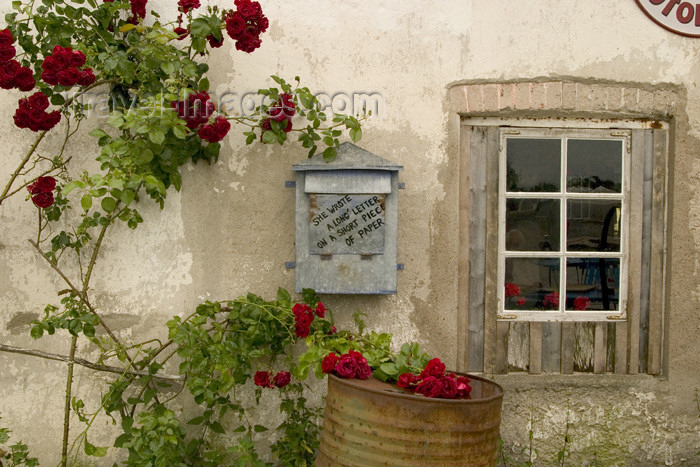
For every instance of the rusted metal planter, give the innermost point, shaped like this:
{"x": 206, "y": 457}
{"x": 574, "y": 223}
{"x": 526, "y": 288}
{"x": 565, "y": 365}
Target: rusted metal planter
{"x": 370, "y": 423}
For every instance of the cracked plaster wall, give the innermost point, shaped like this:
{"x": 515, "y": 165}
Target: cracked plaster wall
{"x": 231, "y": 229}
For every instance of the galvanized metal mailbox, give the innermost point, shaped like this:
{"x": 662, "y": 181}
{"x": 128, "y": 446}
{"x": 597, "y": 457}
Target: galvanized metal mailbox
{"x": 346, "y": 223}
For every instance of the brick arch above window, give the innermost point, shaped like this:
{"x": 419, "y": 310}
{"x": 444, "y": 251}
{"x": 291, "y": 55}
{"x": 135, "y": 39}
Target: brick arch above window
{"x": 564, "y": 97}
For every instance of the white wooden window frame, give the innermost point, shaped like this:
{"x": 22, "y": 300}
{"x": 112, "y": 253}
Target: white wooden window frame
{"x": 563, "y": 135}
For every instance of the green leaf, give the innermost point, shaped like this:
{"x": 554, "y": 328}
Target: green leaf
{"x": 144, "y": 157}
{"x": 199, "y": 27}
{"x": 268, "y": 137}
{"x": 86, "y": 201}
{"x": 156, "y": 136}
{"x": 283, "y": 295}
{"x": 109, "y": 204}
{"x": 37, "y": 331}
{"x": 355, "y": 134}
{"x": 259, "y": 428}
{"x": 127, "y": 197}
{"x": 89, "y": 330}
{"x": 148, "y": 395}
{"x": 58, "y": 99}
{"x": 329, "y": 154}
{"x": 180, "y": 131}
{"x": 196, "y": 421}
{"x": 72, "y": 186}
{"x": 240, "y": 429}
{"x": 389, "y": 368}
{"x": 95, "y": 451}
{"x": 217, "y": 428}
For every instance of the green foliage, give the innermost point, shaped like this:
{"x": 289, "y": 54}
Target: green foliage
{"x": 309, "y": 107}
{"x": 411, "y": 359}
{"x": 16, "y": 454}
{"x": 140, "y": 149}
{"x": 299, "y": 442}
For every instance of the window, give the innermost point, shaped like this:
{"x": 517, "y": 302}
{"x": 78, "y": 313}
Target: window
{"x": 563, "y": 221}
{"x": 563, "y": 234}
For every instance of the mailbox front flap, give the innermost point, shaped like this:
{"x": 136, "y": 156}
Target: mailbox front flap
{"x": 348, "y": 181}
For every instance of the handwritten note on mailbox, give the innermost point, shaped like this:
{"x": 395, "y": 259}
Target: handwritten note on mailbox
{"x": 346, "y": 224}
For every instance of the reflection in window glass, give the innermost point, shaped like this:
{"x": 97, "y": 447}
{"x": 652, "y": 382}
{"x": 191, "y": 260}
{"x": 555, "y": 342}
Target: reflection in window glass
{"x": 594, "y": 166}
{"x": 532, "y": 284}
{"x": 593, "y": 225}
{"x": 532, "y": 224}
{"x": 592, "y": 284}
{"x": 533, "y": 164}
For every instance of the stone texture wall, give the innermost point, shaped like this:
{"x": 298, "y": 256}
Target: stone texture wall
{"x": 231, "y": 229}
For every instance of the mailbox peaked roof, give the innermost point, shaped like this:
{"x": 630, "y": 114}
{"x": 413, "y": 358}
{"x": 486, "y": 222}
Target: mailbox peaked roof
{"x": 350, "y": 157}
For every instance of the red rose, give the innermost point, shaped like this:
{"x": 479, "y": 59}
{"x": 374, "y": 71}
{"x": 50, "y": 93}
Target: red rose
{"x": 262, "y": 379}
{"x": 282, "y": 379}
{"x": 247, "y": 42}
{"x": 38, "y": 100}
{"x": 235, "y": 25}
{"x": 463, "y": 387}
{"x": 250, "y": 10}
{"x": 187, "y": 5}
{"x": 138, "y": 8}
{"x": 302, "y": 320}
{"x": 7, "y": 52}
{"x": 86, "y": 77}
{"x": 6, "y": 37}
{"x": 301, "y": 308}
{"x": 580, "y": 303}
{"x": 363, "y": 369}
{"x": 43, "y": 200}
{"x": 195, "y": 110}
{"x": 181, "y": 32}
{"x": 521, "y": 301}
{"x": 68, "y": 77}
{"x": 512, "y": 290}
{"x": 8, "y": 73}
{"x": 320, "y": 310}
{"x": 434, "y": 368}
{"x": 406, "y": 380}
{"x": 449, "y": 387}
{"x": 430, "y": 387}
{"x": 221, "y": 127}
{"x": 206, "y": 132}
{"x": 551, "y": 300}
{"x": 288, "y": 128}
{"x": 214, "y": 42}
{"x": 62, "y": 56}
{"x": 24, "y": 80}
{"x": 42, "y": 185}
{"x": 266, "y": 125}
{"x": 32, "y": 114}
{"x": 76, "y": 59}
{"x": 346, "y": 367}
{"x": 259, "y": 26}
{"x": 329, "y": 362}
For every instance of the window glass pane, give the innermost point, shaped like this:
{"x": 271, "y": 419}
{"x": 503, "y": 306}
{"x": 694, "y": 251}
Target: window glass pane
{"x": 593, "y": 225}
{"x": 532, "y": 224}
{"x": 532, "y": 284}
{"x": 592, "y": 284}
{"x": 594, "y": 166}
{"x": 533, "y": 164}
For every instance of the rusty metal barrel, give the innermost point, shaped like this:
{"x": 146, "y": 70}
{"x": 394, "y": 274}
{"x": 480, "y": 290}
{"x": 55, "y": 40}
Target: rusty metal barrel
{"x": 371, "y": 423}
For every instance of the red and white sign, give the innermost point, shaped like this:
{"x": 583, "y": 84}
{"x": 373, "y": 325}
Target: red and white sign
{"x": 677, "y": 16}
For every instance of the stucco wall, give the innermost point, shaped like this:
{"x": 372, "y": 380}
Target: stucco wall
{"x": 232, "y": 228}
